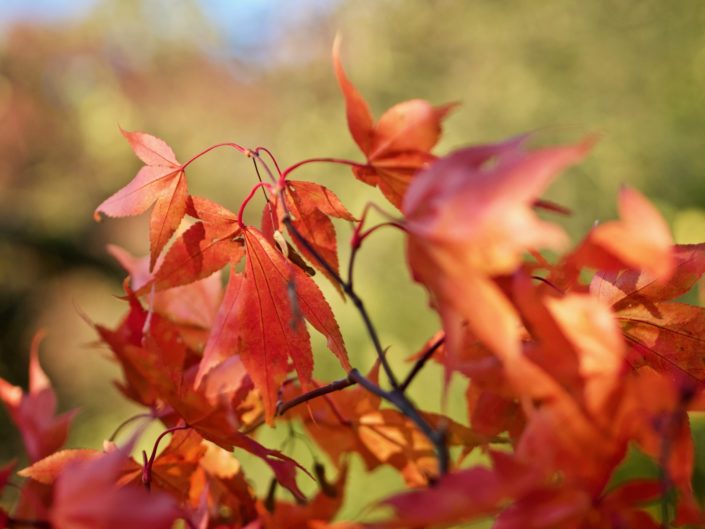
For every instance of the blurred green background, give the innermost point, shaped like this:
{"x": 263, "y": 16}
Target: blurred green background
{"x": 258, "y": 73}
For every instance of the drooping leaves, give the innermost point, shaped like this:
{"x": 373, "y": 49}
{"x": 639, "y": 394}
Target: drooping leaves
{"x": 160, "y": 372}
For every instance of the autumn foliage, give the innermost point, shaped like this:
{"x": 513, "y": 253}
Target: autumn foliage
{"x": 573, "y": 356}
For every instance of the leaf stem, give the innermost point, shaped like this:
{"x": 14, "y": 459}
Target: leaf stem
{"x": 147, "y": 470}
{"x": 340, "y": 161}
{"x": 235, "y": 146}
{"x": 249, "y": 197}
{"x": 271, "y": 156}
{"x": 127, "y": 422}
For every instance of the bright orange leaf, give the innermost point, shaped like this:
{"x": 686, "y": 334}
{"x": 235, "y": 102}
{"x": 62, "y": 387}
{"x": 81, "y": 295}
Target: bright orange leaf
{"x": 399, "y": 145}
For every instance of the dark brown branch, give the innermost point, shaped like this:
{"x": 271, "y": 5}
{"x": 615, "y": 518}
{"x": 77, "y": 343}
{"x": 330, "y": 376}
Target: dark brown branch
{"x": 421, "y": 362}
{"x": 20, "y": 522}
{"x": 396, "y": 396}
{"x": 405, "y": 406}
{"x": 337, "y": 385}
{"x": 350, "y": 292}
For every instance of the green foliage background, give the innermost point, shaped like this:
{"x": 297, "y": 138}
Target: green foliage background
{"x": 631, "y": 71}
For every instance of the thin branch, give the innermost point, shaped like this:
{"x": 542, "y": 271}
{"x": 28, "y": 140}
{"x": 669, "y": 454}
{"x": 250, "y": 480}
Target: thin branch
{"x": 21, "y": 522}
{"x": 350, "y": 292}
{"x": 337, "y": 385}
{"x": 396, "y": 396}
{"x": 421, "y": 362}
{"x": 405, "y": 406}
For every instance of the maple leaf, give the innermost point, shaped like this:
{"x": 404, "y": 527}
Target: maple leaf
{"x": 351, "y": 421}
{"x": 310, "y": 206}
{"x": 639, "y": 240}
{"x": 87, "y": 496}
{"x": 468, "y": 220}
{"x": 163, "y": 369}
{"x": 262, "y": 319}
{"x": 193, "y": 305}
{"x": 34, "y": 413}
{"x": 491, "y": 413}
{"x": 663, "y": 334}
{"x": 320, "y": 509}
{"x": 161, "y": 181}
{"x": 569, "y": 404}
{"x": 229, "y": 497}
{"x": 173, "y": 468}
{"x": 186, "y": 469}
{"x": 569, "y": 507}
{"x": 655, "y": 415}
{"x": 126, "y": 343}
{"x": 398, "y": 146}
{"x": 203, "y": 249}
{"x": 48, "y": 469}
{"x": 464, "y": 495}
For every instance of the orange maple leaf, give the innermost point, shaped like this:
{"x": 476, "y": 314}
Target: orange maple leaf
{"x": 399, "y": 145}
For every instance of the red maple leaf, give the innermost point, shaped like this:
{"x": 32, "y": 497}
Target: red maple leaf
{"x": 161, "y": 370}
{"x": 34, "y": 413}
{"x": 262, "y": 318}
{"x": 310, "y": 206}
{"x": 661, "y": 333}
{"x": 87, "y": 496}
{"x": 203, "y": 249}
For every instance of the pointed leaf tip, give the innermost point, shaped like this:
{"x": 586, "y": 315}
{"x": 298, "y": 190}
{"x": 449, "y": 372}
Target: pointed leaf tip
{"x": 38, "y": 379}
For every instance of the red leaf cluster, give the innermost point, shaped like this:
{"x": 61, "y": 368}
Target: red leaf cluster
{"x": 570, "y": 360}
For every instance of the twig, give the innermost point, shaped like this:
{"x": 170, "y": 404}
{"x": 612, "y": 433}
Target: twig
{"x": 350, "y": 292}
{"x": 396, "y": 396}
{"x": 402, "y": 402}
{"x": 337, "y": 385}
{"x": 421, "y": 362}
{"x": 21, "y": 522}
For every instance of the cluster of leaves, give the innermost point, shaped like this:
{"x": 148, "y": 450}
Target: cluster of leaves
{"x": 565, "y": 372}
